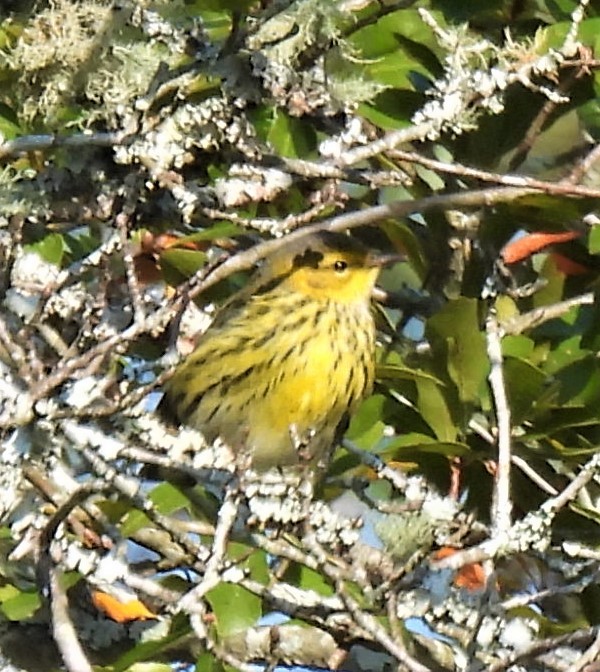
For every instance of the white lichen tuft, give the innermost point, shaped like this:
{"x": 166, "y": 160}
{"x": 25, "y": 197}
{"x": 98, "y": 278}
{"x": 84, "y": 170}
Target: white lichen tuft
{"x": 519, "y": 633}
{"x": 247, "y": 184}
{"x": 33, "y": 275}
{"x": 211, "y": 125}
{"x": 354, "y": 134}
{"x": 472, "y": 84}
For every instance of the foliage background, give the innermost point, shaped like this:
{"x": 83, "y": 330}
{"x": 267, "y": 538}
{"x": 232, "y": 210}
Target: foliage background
{"x": 149, "y": 145}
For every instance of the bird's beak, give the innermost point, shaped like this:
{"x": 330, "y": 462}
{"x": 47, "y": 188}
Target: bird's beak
{"x": 380, "y": 259}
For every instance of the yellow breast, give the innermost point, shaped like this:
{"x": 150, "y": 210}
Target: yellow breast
{"x": 270, "y": 387}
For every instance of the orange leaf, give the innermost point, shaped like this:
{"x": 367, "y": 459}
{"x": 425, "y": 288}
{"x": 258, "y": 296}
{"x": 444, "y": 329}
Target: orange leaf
{"x": 471, "y": 577}
{"x": 121, "y": 612}
{"x": 166, "y": 240}
{"x": 568, "y": 266}
{"x": 524, "y": 247}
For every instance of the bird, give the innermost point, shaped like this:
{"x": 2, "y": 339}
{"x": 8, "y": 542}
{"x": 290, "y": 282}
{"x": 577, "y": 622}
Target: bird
{"x": 288, "y": 358}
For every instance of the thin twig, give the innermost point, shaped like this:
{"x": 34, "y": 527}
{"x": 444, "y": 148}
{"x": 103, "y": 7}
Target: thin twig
{"x": 520, "y": 323}
{"x": 533, "y": 475}
{"x": 63, "y": 630}
{"x": 377, "y": 631}
{"x": 501, "y": 504}
{"x": 561, "y": 188}
{"x": 122, "y": 222}
{"x": 38, "y": 143}
{"x": 531, "y": 598}
{"x": 15, "y": 352}
{"x": 193, "y": 601}
{"x": 270, "y": 225}
{"x": 49, "y": 575}
{"x": 538, "y": 123}
{"x": 588, "y": 471}
{"x": 583, "y": 167}
{"x": 80, "y": 520}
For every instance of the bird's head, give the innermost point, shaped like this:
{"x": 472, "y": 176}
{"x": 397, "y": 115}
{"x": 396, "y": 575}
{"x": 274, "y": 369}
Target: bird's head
{"x": 328, "y": 266}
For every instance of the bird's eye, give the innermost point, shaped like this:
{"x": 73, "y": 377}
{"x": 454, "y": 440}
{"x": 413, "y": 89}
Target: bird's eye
{"x": 340, "y": 265}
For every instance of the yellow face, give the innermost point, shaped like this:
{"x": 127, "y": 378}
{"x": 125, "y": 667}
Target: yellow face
{"x": 327, "y": 266}
{"x": 339, "y": 276}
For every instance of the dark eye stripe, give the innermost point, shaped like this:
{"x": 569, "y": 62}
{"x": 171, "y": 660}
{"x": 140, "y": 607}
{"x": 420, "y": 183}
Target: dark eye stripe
{"x": 310, "y": 258}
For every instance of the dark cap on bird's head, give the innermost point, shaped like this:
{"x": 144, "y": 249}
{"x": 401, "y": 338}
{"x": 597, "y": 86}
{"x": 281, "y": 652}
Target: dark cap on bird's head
{"x": 312, "y": 248}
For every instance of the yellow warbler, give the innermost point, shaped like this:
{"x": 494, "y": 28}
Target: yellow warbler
{"x": 288, "y": 358}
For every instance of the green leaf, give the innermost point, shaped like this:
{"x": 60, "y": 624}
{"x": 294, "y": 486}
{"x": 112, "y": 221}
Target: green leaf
{"x": 114, "y": 509}
{"x": 432, "y": 406}
{"x": 21, "y": 605}
{"x": 454, "y": 449}
{"x": 594, "y": 240}
{"x": 291, "y": 136}
{"x": 206, "y": 662}
{"x": 134, "y": 521}
{"x": 393, "y": 69}
{"x": 589, "y": 116}
{"x": 255, "y": 561}
{"x": 524, "y": 385}
{"x": 402, "y": 32}
{"x": 554, "y": 287}
{"x": 388, "y": 110}
{"x": 69, "y": 579}
{"x": 235, "y": 608}
{"x": 179, "y": 629}
{"x": 80, "y": 243}
{"x": 179, "y": 265}
{"x": 9, "y": 123}
{"x": 591, "y": 337}
{"x": 8, "y": 592}
{"x": 218, "y": 230}
{"x": 456, "y": 337}
{"x": 405, "y": 240}
{"x": 560, "y": 419}
{"x": 580, "y": 384}
{"x": 167, "y": 499}
{"x": 308, "y": 579}
{"x": 222, "y": 5}
{"x": 150, "y": 667}
{"x": 51, "y": 248}
{"x": 506, "y": 308}
{"x": 567, "y": 352}
{"x": 399, "y": 372}
{"x": 258, "y": 566}
{"x": 366, "y": 426}
{"x": 517, "y": 346}
{"x": 587, "y": 32}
